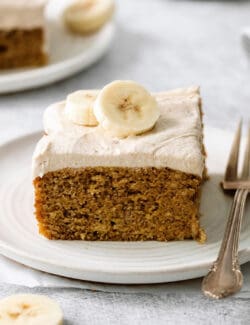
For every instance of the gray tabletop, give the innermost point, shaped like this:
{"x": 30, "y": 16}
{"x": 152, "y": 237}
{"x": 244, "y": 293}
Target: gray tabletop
{"x": 162, "y": 44}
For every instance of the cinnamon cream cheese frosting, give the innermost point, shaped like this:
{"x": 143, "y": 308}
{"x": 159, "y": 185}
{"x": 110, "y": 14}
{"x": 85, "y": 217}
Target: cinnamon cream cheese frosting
{"x": 21, "y": 14}
{"x": 175, "y": 141}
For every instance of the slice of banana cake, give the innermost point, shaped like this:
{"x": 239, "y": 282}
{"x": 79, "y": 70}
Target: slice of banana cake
{"x": 121, "y": 164}
{"x": 22, "y": 33}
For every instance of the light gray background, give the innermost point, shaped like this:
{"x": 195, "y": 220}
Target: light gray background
{"x": 162, "y": 44}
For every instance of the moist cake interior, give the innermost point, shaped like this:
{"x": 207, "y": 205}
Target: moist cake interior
{"x": 119, "y": 204}
{"x": 19, "y": 48}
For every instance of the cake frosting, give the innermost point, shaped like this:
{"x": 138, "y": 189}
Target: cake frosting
{"x": 21, "y": 14}
{"x": 175, "y": 141}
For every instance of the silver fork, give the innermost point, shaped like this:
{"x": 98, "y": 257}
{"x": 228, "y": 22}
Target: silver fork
{"x": 225, "y": 277}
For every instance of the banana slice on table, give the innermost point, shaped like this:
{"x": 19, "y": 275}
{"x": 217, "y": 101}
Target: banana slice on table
{"x": 79, "y": 107}
{"x": 87, "y": 16}
{"x": 28, "y": 309}
{"x": 126, "y": 108}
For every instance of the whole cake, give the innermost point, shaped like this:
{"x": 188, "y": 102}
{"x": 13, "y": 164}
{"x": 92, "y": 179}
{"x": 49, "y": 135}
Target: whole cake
{"x": 121, "y": 164}
{"x": 22, "y": 33}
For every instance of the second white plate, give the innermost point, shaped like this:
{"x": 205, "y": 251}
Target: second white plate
{"x": 68, "y": 54}
{"x": 111, "y": 262}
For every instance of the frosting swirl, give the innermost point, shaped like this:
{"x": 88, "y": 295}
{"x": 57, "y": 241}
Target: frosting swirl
{"x": 175, "y": 141}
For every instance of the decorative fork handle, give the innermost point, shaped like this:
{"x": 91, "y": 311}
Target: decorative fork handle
{"x": 225, "y": 277}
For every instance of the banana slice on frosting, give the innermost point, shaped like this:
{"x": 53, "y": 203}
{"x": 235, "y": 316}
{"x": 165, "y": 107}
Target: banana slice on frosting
{"x": 24, "y": 309}
{"x": 87, "y": 16}
{"x": 126, "y": 108}
{"x": 79, "y": 107}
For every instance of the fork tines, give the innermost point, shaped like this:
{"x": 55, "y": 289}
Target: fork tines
{"x": 231, "y": 178}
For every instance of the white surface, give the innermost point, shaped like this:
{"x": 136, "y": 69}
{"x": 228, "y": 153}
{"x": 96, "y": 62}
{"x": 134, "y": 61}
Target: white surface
{"x": 68, "y": 54}
{"x": 111, "y": 262}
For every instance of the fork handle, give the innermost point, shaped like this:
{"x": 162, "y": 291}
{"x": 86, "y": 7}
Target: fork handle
{"x": 225, "y": 277}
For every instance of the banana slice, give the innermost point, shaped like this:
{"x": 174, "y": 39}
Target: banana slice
{"x": 79, "y": 107}
{"x": 87, "y": 16}
{"x": 126, "y": 108}
{"x": 28, "y": 309}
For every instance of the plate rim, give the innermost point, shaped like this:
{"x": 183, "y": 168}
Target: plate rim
{"x": 110, "y": 276}
{"x": 154, "y": 275}
{"x": 41, "y": 76}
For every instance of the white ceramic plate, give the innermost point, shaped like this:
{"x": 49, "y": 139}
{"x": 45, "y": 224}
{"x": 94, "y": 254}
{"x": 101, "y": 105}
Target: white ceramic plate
{"x": 68, "y": 54}
{"x": 111, "y": 262}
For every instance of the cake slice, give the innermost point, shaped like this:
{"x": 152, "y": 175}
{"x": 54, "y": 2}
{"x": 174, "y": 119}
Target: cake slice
{"x": 92, "y": 185}
{"x": 22, "y": 33}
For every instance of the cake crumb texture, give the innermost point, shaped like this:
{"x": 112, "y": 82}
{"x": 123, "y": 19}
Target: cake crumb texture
{"x": 22, "y": 48}
{"x": 119, "y": 204}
